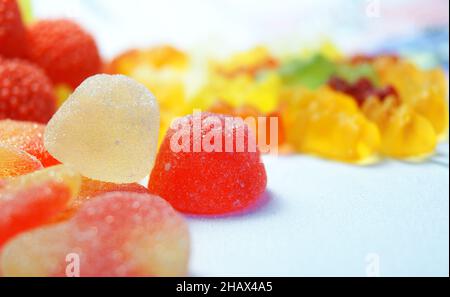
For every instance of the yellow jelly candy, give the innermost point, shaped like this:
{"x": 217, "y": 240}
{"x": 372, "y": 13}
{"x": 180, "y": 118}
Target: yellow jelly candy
{"x": 404, "y": 132}
{"x": 328, "y": 124}
{"x": 425, "y": 91}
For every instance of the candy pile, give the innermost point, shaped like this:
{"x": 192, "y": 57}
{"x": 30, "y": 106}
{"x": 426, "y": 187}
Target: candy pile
{"x": 352, "y": 109}
{"x": 115, "y": 229}
{"x": 41, "y": 63}
{"x": 105, "y": 134}
{"x": 74, "y": 144}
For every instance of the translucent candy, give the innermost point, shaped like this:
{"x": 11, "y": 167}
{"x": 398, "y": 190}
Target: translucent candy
{"x": 201, "y": 181}
{"x": 329, "y": 124}
{"x": 14, "y": 162}
{"x": 404, "y": 132}
{"x": 28, "y": 137}
{"x": 107, "y": 130}
{"x": 116, "y": 234}
{"x": 425, "y": 91}
{"x": 32, "y": 200}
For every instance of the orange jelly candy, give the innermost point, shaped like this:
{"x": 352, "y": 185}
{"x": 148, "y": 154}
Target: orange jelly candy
{"x": 14, "y": 162}
{"x": 26, "y": 136}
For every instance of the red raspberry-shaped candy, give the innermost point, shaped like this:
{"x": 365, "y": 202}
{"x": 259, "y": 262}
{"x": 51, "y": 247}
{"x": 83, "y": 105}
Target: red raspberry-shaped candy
{"x": 66, "y": 51}
{"x": 203, "y": 182}
{"x": 26, "y": 93}
{"x": 12, "y": 30}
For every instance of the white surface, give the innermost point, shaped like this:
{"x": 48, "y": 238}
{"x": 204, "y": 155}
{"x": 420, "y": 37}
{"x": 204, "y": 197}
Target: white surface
{"x": 322, "y": 218}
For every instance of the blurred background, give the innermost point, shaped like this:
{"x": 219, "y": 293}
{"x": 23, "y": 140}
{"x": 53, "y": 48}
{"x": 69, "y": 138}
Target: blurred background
{"x": 416, "y": 27}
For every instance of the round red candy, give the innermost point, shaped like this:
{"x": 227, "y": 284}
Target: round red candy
{"x": 201, "y": 182}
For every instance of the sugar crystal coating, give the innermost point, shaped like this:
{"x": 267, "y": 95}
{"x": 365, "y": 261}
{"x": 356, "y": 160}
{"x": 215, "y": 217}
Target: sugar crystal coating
{"x": 31, "y": 200}
{"x": 107, "y": 130}
{"x": 92, "y": 188}
{"x": 116, "y": 234}
{"x": 26, "y": 136}
{"x": 209, "y": 182}
{"x": 14, "y": 162}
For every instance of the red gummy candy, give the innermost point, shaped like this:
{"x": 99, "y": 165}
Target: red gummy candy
{"x": 65, "y": 50}
{"x": 217, "y": 182}
{"x": 13, "y": 37}
{"x": 26, "y": 93}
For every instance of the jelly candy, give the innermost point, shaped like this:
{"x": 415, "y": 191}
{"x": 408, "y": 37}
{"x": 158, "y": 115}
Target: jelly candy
{"x": 404, "y": 132}
{"x": 28, "y": 137}
{"x": 107, "y": 130}
{"x": 204, "y": 181}
{"x": 14, "y": 162}
{"x": 32, "y": 200}
{"x": 66, "y": 61}
{"x": 329, "y": 124}
{"x": 13, "y": 35}
{"x": 116, "y": 234}
{"x": 91, "y": 188}
{"x": 425, "y": 91}
{"x": 26, "y": 92}
{"x": 361, "y": 89}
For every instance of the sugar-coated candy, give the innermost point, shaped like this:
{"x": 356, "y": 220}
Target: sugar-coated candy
{"x": 67, "y": 61}
{"x": 31, "y": 200}
{"x": 245, "y": 79}
{"x": 92, "y": 188}
{"x": 107, "y": 130}
{"x": 201, "y": 180}
{"x": 26, "y": 136}
{"x": 329, "y": 124}
{"x": 26, "y": 92}
{"x": 13, "y": 35}
{"x": 116, "y": 234}
{"x": 14, "y": 162}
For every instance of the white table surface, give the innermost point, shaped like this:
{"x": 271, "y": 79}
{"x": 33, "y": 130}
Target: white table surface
{"x": 330, "y": 219}
{"x": 320, "y": 218}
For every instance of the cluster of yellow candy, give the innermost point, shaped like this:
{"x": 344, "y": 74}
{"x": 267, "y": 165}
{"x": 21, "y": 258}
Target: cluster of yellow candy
{"x": 352, "y": 110}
